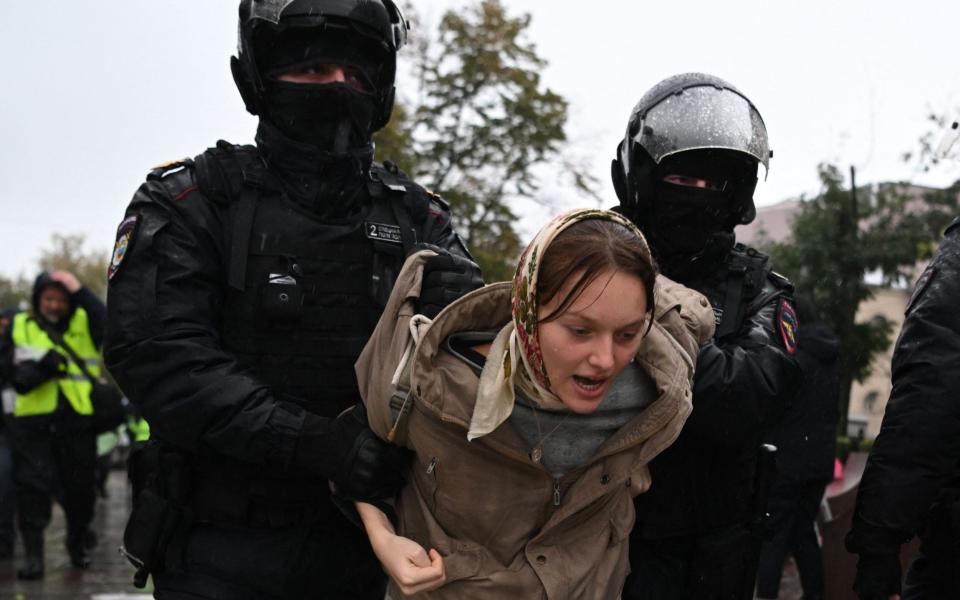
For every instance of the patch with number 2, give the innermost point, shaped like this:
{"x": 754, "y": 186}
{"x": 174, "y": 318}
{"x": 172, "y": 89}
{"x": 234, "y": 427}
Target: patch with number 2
{"x": 383, "y": 232}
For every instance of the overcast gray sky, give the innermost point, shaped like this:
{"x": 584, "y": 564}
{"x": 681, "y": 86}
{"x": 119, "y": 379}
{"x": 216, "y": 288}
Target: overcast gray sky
{"x": 95, "y": 93}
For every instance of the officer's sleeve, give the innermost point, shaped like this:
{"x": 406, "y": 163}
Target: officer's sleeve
{"x": 440, "y": 231}
{"x": 919, "y": 441}
{"x": 163, "y": 348}
{"x": 96, "y": 313}
{"x": 743, "y": 381}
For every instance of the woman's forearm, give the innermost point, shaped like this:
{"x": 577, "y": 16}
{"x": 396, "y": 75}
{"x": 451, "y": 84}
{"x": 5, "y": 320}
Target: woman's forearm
{"x": 406, "y": 562}
{"x": 375, "y": 521}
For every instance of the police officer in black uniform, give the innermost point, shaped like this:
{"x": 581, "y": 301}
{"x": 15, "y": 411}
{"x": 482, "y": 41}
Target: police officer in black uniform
{"x": 912, "y": 481}
{"x": 243, "y": 286}
{"x": 686, "y": 173}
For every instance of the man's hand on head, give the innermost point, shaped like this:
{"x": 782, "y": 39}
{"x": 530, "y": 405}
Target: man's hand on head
{"x": 67, "y": 280}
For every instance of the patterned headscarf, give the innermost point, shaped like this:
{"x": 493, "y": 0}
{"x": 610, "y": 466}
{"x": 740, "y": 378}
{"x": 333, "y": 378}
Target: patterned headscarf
{"x": 515, "y": 359}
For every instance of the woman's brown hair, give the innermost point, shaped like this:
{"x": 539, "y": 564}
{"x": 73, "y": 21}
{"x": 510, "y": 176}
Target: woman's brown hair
{"x": 586, "y": 250}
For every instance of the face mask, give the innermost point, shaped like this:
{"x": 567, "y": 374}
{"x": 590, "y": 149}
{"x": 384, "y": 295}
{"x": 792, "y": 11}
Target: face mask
{"x": 333, "y": 116}
{"x": 690, "y": 229}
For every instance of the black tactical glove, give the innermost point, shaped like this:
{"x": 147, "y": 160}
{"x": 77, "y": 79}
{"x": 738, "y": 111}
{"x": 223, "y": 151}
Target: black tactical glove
{"x": 878, "y": 576}
{"x": 51, "y": 362}
{"x": 446, "y": 277}
{"x": 370, "y": 468}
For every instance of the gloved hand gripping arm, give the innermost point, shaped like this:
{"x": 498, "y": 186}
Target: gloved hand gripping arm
{"x": 446, "y": 277}
{"x": 368, "y": 468}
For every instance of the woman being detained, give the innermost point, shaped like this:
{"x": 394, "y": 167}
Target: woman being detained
{"x": 533, "y": 410}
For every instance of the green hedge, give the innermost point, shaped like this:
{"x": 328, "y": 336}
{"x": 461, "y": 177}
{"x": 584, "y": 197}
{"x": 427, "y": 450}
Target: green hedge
{"x": 845, "y": 446}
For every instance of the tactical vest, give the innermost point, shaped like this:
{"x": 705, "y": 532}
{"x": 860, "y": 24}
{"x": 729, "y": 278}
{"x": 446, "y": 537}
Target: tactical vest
{"x": 304, "y": 294}
{"x": 742, "y": 278}
{"x": 31, "y": 342}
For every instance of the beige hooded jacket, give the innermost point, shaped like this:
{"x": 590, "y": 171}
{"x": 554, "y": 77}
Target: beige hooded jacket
{"x": 485, "y": 505}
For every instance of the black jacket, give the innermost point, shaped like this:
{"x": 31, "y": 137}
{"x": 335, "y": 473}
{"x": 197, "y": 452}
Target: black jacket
{"x": 705, "y": 480}
{"x": 806, "y": 438}
{"x": 170, "y": 287}
{"x": 916, "y": 458}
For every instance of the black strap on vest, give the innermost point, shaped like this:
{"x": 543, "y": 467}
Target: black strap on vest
{"x": 240, "y": 244}
{"x": 407, "y": 234}
{"x": 730, "y": 320}
{"x": 57, "y": 338}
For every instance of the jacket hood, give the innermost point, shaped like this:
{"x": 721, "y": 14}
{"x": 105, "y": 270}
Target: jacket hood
{"x": 42, "y": 281}
{"x": 819, "y": 341}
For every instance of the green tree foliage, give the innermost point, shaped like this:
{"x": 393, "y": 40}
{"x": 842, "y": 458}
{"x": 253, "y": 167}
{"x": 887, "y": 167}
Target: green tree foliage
{"x": 14, "y": 293}
{"x": 481, "y": 127}
{"x": 840, "y": 236}
{"x": 67, "y": 252}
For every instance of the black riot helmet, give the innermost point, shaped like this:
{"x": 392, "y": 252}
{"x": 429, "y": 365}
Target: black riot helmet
{"x": 684, "y": 113}
{"x": 275, "y": 35}
{"x": 691, "y": 126}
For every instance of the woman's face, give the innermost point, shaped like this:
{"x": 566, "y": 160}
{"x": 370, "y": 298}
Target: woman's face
{"x": 586, "y": 347}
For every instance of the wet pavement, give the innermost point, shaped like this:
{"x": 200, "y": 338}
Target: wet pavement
{"x": 790, "y": 583}
{"x": 110, "y": 576}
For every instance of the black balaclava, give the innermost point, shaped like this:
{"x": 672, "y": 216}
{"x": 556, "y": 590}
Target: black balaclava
{"x": 691, "y": 228}
{"x": 333, "y": 117}
{"x": 330, "y": 187}
{"x": 318, "y": 137}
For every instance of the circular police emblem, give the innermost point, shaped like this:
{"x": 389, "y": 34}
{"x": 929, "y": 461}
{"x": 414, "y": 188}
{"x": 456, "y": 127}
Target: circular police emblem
{"x": 125, "y": 237}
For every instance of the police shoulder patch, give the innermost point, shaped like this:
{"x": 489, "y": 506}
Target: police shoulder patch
{"x": 788, "y": 324}
{"x": 126, "y": 234}
{"x": 435, "y": 197}
{"x": 159, "y": 171}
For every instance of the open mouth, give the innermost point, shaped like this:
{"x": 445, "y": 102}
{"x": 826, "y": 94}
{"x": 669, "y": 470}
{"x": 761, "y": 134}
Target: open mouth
{"x": 589, "y": 384}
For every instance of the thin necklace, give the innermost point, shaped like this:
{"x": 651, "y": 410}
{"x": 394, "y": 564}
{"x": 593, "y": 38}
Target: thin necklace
{"x": 536, "y": 455}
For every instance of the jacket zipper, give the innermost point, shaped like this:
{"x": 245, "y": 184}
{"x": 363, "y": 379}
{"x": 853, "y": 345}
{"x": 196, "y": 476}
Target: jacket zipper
{"x": 556, "y": 491}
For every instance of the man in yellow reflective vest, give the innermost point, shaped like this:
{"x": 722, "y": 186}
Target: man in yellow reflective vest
{"x": 54, "y": 445}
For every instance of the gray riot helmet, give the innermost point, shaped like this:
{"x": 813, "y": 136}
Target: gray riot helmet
{"x": 685, "y": 116}
{"x": 365, "y": 34}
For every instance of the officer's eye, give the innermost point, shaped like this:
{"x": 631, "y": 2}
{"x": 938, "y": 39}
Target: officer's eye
{"x": 355, "y": 79}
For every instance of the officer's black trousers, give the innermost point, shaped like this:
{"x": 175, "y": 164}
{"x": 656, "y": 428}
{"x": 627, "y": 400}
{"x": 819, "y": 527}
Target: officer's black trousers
{"x": 326, "y": 560}
{"x": 932, "y": 575}
{"x": 49, "y": 465}
{"x": 714, "y": 566}
{"x": 793, "y": 509}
